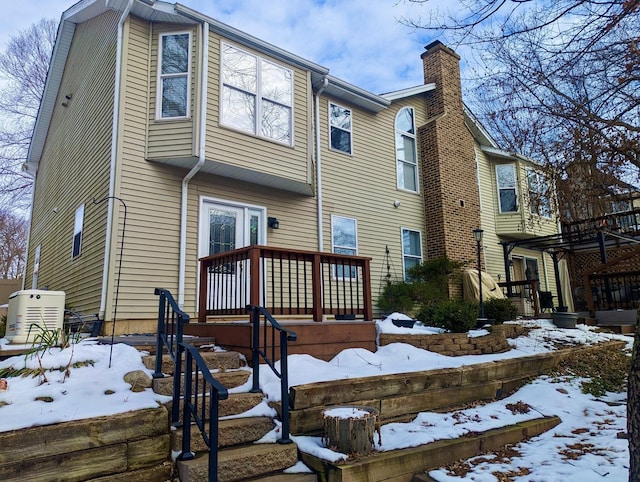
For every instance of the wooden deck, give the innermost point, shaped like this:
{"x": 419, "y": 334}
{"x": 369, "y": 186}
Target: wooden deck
{"x": 322, "y": 340}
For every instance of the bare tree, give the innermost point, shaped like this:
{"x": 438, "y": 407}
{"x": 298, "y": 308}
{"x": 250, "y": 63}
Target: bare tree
{"x": 23, "y": 73}
{"x": 559, "y": 82}
{"x": 13, "y": 244}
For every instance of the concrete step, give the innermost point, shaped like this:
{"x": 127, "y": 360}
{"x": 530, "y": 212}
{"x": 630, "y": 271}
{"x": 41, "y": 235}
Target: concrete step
{"x": 237, "y": 431}
{"x": 215, "y": 360}
{"x": 241, "y": 463}
{"x": 230, "y": 379}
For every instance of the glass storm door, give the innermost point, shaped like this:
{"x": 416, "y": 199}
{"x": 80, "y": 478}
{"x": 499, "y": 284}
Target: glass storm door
{"x": 229, "y": 227}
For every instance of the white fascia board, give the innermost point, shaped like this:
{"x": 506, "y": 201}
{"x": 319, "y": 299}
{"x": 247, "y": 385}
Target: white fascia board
{"x": 404, "y": 93}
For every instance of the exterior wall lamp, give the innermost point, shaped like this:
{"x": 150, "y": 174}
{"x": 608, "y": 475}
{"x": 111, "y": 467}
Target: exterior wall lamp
{"x": 273, "y": 223}
{"x": 477, "y": 234}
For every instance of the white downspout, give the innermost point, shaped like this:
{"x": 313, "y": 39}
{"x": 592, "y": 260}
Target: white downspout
{"x": 114, "y": 157}
{"x": 196, "y": 168}
{"x": 325, "y": 82}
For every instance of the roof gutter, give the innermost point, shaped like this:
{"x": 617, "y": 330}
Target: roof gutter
{"x": 325, "y": 82}
{"x": 114, "y": 157}
{"x": 201, "y": 159}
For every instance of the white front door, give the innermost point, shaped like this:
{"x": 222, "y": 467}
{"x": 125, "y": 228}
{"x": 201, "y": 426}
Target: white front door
{"x": 225, "y": 227}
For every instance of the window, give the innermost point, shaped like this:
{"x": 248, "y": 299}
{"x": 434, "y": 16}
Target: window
{"x": 345, "y": 241}
{"x": 539, "y": 202}
{"x": 507, "y": 193}
{"x": 340, "y": 122}
{"x": 174, "y": 75}
{"x": 257, "y": 95}
{"x": 77, "y": 232}
{"x": 411, "y": 250}
{"x": 406, "y": 154}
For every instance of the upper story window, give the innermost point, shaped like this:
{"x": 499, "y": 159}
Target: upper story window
{"x": 539, "y": 199}
{"x": 174, "y": 78}
{"x": 344, "y": 236}
{"x": 340, "y": 123}
{"x": 507, "y": 188}
{"x": 257, "y": 95}
{"x": 406, "y": 153}
{"x": 78, "y": 225}
{"x": 411, "y": 250}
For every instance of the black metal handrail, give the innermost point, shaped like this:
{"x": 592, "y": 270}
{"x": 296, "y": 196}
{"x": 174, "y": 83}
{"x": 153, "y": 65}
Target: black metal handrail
{"x": 171, "y": 321}
{"x": 194, "y": 407}
{"x": 259, "y": 350}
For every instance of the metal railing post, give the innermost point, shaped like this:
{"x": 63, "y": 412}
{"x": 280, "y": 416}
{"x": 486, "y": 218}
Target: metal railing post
{"x": 284, "y": 389}
{"x": 255, "y": 348}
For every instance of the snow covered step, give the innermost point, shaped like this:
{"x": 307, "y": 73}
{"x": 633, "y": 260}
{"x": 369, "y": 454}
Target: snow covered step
{"x": 241, "y": 463}
{"x": 235, "y": 404}
{"x": 236, "y": 431}
{"x": 285, "y": 478}
{"x": 215, "y": 360}
{"x": 230, "y": 379}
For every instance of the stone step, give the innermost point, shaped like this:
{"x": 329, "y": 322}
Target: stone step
{"x": 285, "y": 478}
{"x": 235, "y": 404}
{"x": 241, "y": 463}
{"x": 237, "y": 431}
{"x": 215, "y": 360}
{"x": 230, "y": 379}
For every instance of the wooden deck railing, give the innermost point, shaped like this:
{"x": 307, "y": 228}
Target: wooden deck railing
{"x": 285, "y": 282}
{"x": 626, "y": 223}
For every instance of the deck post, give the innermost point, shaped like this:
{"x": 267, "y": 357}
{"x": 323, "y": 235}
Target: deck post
{"x": 316, "y": 287}
{"x": 202, "y": 295}
{"x": 366, "y": 290}
{"x": 254, "y": 276}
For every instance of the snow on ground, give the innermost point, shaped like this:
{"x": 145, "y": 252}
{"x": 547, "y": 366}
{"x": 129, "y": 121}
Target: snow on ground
{"x": 583, "y": 447}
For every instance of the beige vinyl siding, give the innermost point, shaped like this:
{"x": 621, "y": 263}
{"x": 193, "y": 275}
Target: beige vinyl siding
{"x": 363, "y": 186}
{"x": 171, "y": 138}
{"x": 150, "y": 191}
{"x": 491, "y": 218}
{"x": 248, "y": 151}
{"x": 74, "y": 169}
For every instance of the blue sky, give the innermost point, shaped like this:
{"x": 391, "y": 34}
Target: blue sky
{"x": 360, "y": 41}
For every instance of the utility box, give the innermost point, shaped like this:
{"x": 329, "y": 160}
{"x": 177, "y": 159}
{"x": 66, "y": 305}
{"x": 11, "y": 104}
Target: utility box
{"x": 33, "y": 311}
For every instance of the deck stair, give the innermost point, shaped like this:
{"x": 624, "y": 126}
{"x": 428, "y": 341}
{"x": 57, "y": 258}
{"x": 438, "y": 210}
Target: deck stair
{"x": 239, "y": 457}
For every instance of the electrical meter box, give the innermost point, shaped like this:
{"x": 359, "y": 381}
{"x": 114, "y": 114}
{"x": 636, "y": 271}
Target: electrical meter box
{"x": 32, "y": 311}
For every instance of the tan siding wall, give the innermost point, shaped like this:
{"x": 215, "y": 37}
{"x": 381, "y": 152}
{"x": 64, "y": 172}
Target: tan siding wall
{"x": 151, "y": 191}
{"x": 170, "y": 138}
{"x": 243, "y": 150}
{"x": 363, "y": 186}
{"x": 492, "y": 221}
{"x": 74, "y": 169}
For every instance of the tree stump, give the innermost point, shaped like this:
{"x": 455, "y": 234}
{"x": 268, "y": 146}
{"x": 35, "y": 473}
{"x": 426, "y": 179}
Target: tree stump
{"x": 350, "y": 430}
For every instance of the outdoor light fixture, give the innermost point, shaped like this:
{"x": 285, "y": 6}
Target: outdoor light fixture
{"x": 273, "y": 223}
{"x": 477, "y": 234}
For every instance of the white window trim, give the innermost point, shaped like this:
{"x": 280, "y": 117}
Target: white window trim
{"x": 541, "y": 179}
{"x": 161, "y": 76}
{"x": 421, "y": 257}
{"x": 515, "y": 172}
{"x": 257, "y": 131}
{"x": 415, "y": 148}
{"x": 78, "y": 228}
{"x": 350, "y": 131}
{"x": 333, "y": 245}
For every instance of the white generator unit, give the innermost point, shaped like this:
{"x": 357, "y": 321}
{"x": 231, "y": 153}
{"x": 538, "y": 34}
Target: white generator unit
{"x": 33, "y": 311}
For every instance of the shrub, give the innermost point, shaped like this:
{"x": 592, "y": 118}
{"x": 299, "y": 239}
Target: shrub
{"x": 500, "y": 310}
{"x": 456, "y": 316}
{"x": 397, "y": 297}
{"x": 429, "y": 283}
{"x": 3, "y": 325}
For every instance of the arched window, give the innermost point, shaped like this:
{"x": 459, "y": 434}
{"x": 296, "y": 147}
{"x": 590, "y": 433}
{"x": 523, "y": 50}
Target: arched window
{"x": 406, "y": 153}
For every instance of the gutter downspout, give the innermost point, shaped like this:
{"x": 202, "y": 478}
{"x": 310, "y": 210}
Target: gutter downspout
{"x": 325, "y": 82}
{"x": 114, "y": 157}
{"x": 198, "y": 165}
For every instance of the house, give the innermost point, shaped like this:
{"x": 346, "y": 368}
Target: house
{"x": 210, "y": 139}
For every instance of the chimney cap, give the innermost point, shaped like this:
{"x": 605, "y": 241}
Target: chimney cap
{"x": 435, "y": 46}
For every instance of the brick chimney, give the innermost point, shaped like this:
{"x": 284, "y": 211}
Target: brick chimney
{"x": 449, "y": 180}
